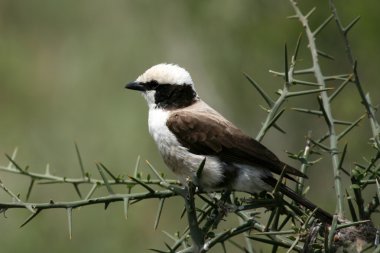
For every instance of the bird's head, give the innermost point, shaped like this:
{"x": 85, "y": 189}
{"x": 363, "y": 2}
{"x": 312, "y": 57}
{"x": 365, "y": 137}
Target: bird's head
{"x": 166, "y": 86}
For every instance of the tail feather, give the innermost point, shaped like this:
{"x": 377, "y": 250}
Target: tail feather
{"x": 320, "y": 213}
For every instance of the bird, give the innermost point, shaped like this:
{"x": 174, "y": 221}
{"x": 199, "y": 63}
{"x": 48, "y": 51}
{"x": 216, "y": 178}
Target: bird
{"x": 188, "y": 131}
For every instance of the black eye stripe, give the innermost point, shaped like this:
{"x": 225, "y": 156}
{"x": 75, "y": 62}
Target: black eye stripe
{"x": 171, "y": 96}
{"x": 152, "y": 85}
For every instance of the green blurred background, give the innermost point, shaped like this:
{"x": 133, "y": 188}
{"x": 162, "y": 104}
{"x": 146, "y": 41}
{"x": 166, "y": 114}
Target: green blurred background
{"x": 63, "y": 66}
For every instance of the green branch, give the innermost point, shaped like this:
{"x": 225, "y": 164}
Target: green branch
{"x": 326, "y": 107}
{"x": 366, "y": 101}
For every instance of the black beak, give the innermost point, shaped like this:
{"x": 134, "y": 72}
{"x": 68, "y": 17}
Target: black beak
{"x": 135, "y": 86}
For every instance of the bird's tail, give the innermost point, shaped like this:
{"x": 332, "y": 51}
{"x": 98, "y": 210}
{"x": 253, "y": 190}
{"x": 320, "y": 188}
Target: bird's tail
{"x": 320, "y": 213}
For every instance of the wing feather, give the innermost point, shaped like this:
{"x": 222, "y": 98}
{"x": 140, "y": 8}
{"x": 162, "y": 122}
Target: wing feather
{"x": 210, "y": 134}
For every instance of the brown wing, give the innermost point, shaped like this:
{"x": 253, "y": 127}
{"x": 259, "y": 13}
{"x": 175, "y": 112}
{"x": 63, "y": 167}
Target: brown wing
{"x": 209, "y": 134}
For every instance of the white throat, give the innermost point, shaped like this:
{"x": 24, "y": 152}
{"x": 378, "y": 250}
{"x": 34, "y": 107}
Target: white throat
{"x": 149, "y": 97}
{"x": 157, "y": 123}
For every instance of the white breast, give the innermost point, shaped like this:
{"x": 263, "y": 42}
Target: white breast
{"x": 161, "y": 134}
{"x": 178, "y": 158}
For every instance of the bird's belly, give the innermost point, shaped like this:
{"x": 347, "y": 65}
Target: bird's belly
{"x": 185, "y": 165}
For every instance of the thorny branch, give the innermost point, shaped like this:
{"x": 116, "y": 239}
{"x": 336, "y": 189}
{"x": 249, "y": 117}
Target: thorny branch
{"x": 201, "y": 223}
{"x": 325, "y": 102}
{"x": 372, "y": 170}
{"x": 375, "y": 126}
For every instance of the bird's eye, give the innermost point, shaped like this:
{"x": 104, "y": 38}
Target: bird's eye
{"x": 151, "y": 85}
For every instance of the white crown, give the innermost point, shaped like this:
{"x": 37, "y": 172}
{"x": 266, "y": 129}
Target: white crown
{"x": 166, "y": 74}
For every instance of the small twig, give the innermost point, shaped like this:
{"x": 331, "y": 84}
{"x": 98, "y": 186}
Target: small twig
{"x": 274, "y": 113}
{"x": 81, "y": 166}
{"x": 305, "y": 164}
{"x": 16, "y": 198}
